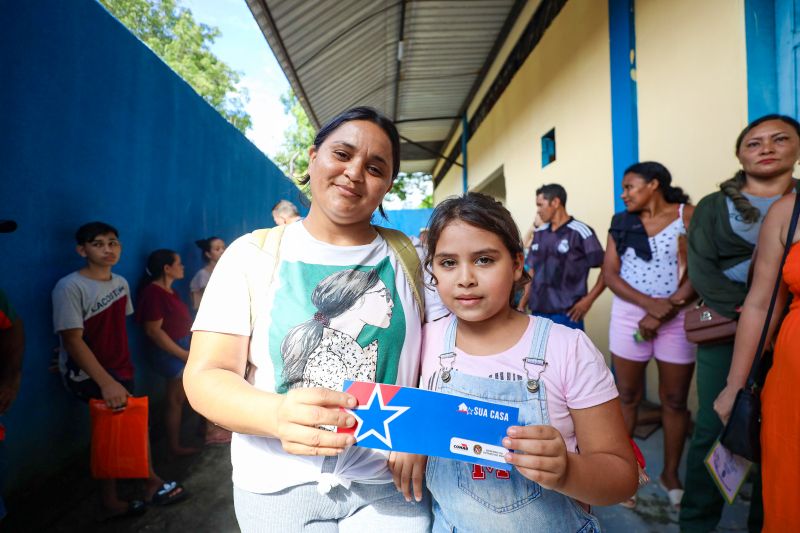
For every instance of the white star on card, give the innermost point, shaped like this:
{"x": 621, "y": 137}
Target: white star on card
{"x": 386, "y": 438}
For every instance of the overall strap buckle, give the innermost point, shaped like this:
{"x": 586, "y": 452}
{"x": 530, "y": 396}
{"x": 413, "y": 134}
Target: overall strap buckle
{"x": 446, "y": 362}
{"x": 541, "y": 333}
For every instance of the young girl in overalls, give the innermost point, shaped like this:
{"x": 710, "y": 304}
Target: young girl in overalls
{"x": 559, "y": 381}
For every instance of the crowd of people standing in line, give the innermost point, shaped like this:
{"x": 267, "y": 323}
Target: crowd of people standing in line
{"x": 663, "y": 255}
{"x": 360, "y": 300}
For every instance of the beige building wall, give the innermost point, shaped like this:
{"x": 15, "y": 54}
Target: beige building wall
{"x": 564, "y": 84}
{"x": 692, "y": 93}
{"x": 692, "y": 103}
{"x": 692, "y": 84}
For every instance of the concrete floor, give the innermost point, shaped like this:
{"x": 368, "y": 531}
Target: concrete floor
{"x": 69, "y": 502}
{"x": 653, "y": 513}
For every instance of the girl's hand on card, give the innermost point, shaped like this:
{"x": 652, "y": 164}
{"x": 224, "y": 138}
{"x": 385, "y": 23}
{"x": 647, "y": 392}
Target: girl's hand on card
{"x": 408, "y": 470}
{"x": 300, "y": 414}
{"x": 540, "y": 454}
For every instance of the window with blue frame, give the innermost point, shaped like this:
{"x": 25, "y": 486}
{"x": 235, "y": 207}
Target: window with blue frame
{"x": 548, "y": 147}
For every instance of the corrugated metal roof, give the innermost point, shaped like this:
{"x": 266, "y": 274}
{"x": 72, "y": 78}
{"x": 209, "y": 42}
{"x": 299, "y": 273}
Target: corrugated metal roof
{"x": 342, "y": 53}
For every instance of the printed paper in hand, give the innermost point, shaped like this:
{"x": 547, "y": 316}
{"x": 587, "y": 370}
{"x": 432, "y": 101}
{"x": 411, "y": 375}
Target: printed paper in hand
{"x": 728, "y": 470}
{"x": 404, "y": 419}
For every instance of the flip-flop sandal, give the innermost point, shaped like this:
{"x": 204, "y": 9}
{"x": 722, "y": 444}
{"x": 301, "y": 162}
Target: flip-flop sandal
{"x": 135, "y": 508}
{"x": 674, "y": 495}
{"x": 168, "y": 493}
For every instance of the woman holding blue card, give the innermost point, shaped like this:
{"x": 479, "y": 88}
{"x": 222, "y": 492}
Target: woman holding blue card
{"x": 555, "y": 376}
{"x": 287, "y": 317}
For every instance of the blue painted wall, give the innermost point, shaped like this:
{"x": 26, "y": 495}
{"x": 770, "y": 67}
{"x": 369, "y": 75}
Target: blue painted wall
{"x": 409, "y": 221}
{"x": 762, "y": 74}
{"x": 624, "y": 107}
{"x": 787, "y": 48}
{"x": 96, "y": 127}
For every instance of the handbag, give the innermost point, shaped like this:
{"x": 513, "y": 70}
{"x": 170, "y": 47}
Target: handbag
{"x": 742, "y": 434}
{"x": 119, "y": 440}
{"x": 704, "y": 326}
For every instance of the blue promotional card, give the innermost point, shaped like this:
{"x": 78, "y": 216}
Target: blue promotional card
{"x": 404, "y": 419}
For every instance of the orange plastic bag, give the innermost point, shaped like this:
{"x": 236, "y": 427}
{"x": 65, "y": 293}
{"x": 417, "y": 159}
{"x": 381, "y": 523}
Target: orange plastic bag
{"x": 119, "y": 440}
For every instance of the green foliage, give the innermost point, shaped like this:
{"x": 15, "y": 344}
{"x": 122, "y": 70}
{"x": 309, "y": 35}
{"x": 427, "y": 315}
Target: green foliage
{"x": 427, "y": 202}
{"x": 292, "y": 158}
{"x": 408, "y": 185}
{"x": 184, "y": 44}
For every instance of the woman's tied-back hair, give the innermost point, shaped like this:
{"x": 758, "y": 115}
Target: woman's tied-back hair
{"x": 205, "y": 247}
{"x": 732, "y": 188}
{"x": 482, "y": 212}
{"x": 370, "y": 115}
{"x": 156, "y": 262}
{"x": 332, "y": 297}
{"x": 651, "y": 170}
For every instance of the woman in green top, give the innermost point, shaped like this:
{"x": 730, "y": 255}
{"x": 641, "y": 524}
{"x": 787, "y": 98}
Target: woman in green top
{"x": 722, "y": 238}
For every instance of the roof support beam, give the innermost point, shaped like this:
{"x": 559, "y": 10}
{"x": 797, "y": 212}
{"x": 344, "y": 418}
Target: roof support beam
{"x": 423, "y": 119}
{"x": 432, "y": 152}
{"x": 400, "y": 50}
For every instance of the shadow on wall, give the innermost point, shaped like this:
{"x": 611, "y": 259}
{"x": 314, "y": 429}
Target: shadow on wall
{"x": 99, "y": 128}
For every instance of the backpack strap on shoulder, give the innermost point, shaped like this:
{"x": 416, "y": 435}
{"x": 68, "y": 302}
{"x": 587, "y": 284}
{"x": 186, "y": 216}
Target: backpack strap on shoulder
{"x": 409, "y": 261}
{"x": 268, "y": 240}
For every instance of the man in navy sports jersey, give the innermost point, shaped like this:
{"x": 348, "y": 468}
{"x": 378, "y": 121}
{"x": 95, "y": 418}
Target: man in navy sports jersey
{"x": 559, "y": 259}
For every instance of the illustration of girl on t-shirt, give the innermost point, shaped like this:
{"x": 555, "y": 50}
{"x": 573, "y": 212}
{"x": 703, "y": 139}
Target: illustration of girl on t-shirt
{"x": 323, "y": 351}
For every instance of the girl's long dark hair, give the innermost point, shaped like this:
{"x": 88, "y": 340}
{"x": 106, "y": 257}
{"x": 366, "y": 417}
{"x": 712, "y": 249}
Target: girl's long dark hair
{"x": 483, "y": 212}
{"x": 332, "y": 296}
{"x": 732, "y": 187}
{"x": 651, "y": 170}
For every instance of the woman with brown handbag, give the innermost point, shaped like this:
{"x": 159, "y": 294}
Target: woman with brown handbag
{"x": 722, "y": 238}
{"x": 780, "y": 400}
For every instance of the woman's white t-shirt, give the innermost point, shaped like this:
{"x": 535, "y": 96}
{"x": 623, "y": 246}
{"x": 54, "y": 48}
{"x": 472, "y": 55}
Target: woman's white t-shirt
{"x": 200, "y": 280}
{"x": 382, "y": 321}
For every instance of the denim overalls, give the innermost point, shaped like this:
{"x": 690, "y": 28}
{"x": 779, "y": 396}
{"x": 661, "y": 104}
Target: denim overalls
{"x": 475, "y": 498}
